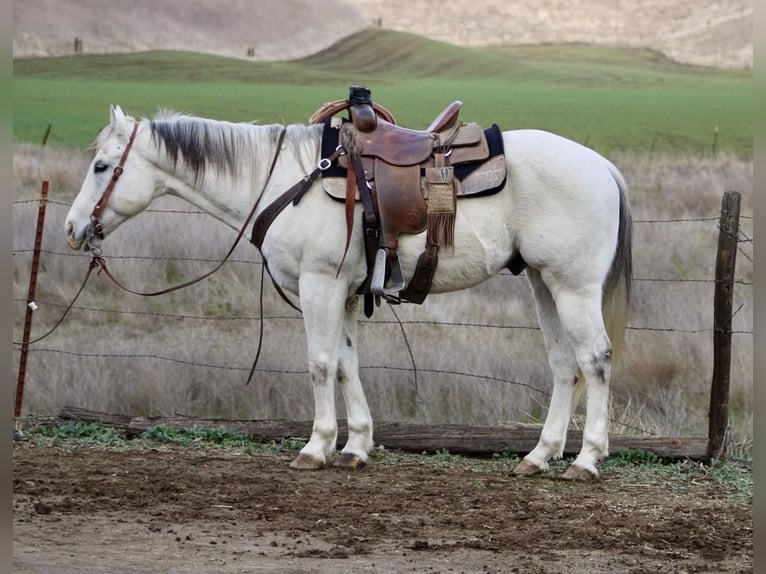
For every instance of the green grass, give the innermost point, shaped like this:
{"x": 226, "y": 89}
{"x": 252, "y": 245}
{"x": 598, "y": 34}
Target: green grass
{"x": 609, "y": 98}
{"x": 71, "y": 433}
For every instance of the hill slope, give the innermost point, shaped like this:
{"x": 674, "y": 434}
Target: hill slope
{"x": 705, "y": 32}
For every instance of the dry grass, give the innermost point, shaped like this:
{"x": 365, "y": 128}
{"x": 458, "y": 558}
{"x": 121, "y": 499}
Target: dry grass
{"x": 661, "y": 384}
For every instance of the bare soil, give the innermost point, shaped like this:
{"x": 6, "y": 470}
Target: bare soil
{"x": 179, "y": 509}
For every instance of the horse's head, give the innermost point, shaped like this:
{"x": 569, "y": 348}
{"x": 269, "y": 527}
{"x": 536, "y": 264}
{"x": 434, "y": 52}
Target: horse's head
{"x": 116, "y": 186}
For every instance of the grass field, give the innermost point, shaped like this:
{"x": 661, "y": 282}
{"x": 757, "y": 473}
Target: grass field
{"x": 611, "y": 99}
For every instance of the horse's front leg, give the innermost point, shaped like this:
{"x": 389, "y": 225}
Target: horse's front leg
{"x": 359, "y": 444}
{"x": 322, "y": 302}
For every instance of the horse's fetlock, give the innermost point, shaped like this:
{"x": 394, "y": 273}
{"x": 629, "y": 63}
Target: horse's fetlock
{"x": 362, "y": 429}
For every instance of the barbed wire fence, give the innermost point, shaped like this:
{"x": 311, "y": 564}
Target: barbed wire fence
{"x": 744, "y": 247}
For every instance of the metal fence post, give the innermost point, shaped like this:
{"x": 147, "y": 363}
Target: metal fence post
{"x": 31, "y": 305}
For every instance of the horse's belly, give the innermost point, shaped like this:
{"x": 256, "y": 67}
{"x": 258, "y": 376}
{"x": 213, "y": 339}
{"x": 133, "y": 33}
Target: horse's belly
{"x": 482, "y": 247}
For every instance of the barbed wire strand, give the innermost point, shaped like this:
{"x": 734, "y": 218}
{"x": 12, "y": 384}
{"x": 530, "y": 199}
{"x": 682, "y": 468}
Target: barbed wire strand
{"x": 399, "y": 321}
{"x": 504, "y": 273}
{"x": 418, "y": 402}
{"x": 199, "y": 212}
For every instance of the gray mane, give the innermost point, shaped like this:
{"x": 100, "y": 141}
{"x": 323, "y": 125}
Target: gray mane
{"x": 201, "y": 143}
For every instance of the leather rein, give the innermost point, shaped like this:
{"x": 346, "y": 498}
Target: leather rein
{"x": 94, "y": 233}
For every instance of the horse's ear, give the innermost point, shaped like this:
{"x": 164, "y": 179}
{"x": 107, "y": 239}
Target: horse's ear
{"x": 116, "y": 115}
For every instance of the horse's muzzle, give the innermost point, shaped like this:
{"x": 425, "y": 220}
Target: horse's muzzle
{"x": 73, "y": 241}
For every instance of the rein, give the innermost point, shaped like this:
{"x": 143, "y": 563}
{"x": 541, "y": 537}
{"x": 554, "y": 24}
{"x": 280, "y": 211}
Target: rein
{"x": 91, "y": 267}
{"x": 100, "y": 262}
{"x": 96, "y": 230}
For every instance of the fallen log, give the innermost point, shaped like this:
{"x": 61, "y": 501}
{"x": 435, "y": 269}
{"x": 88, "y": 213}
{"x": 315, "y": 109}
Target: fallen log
{"x": 403, "y": 436}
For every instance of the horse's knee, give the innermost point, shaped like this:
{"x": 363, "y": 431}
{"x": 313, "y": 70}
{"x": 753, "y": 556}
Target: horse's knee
{"x": 320, "y": 368}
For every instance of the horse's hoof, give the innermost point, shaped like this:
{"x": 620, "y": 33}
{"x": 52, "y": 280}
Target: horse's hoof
{"x": 579, "y": 473}
{"x": 307, "y": 462}
{"x": 350, "y": 461}
{"x": 526, "y": 468}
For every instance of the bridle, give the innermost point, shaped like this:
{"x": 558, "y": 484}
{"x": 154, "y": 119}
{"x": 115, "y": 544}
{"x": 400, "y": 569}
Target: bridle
{"x": 94, "y": 234}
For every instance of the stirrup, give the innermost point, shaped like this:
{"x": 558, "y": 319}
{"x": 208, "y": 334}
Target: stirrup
{"x": 378, "y": 284}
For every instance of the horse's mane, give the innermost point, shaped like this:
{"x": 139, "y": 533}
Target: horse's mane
{"x": 222, "y": 145}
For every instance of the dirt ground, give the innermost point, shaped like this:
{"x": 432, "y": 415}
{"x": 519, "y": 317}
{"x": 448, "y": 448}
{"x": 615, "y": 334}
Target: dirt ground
{"x": 182, "y": 510}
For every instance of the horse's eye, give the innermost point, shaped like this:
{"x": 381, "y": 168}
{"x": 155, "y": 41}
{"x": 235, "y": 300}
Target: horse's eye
{"x": 100, "y": 167}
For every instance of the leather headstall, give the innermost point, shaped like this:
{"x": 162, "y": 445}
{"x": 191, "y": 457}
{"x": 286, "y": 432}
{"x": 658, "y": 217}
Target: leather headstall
{"x": 96, "y": 227}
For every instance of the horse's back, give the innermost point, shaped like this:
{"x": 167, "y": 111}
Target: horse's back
{"x": 541, "y": 157}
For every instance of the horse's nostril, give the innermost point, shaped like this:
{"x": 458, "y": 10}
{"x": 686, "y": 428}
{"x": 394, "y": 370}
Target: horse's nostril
{"x": 69, "y": 233}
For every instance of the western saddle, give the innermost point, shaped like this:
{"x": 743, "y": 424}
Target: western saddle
{"x": 408, "y": 181}
{"x": 405, "y": 180}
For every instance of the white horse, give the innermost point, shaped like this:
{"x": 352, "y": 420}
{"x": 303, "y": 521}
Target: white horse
{"x": 563, "y": 209}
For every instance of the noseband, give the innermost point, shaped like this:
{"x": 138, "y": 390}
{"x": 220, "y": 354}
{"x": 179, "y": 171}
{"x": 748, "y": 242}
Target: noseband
{"x": 95, "y": 232}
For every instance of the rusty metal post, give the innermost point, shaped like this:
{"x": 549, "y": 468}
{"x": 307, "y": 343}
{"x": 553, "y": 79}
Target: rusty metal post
{"x": 722, "y": 305}
{"x": 31, "y": 305}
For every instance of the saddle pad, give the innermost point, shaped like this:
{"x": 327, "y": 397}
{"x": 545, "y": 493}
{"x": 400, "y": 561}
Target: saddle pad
{"x": 476, "y": 178}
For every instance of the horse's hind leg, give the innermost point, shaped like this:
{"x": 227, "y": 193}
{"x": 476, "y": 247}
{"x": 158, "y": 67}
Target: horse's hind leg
{"x": 581, "y": 316}
{"x": 322, "y": 302}
{"x": 354, "y": 453}
{"x": 563, "y": 364}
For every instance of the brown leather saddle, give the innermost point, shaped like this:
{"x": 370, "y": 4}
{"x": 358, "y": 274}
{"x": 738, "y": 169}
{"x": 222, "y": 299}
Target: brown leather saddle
{"x": 406, "y": 181}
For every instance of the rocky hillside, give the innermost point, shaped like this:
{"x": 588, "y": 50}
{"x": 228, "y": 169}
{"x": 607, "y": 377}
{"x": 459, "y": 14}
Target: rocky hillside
{"x": 706, "y": 32}
{"x": 273, "y": 30}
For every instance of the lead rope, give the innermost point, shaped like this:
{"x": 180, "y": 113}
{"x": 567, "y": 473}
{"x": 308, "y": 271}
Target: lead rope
{"x": 260, "y": 327}
{"x": 66, "y": 311}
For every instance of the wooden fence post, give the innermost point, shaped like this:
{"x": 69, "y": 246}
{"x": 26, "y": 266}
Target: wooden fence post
{"x": 722, "y": 305}
{"x": 31, "y": 305}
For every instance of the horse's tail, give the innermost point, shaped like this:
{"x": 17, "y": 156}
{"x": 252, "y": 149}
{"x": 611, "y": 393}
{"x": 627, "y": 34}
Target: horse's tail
{"x": 617, "y": 287}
